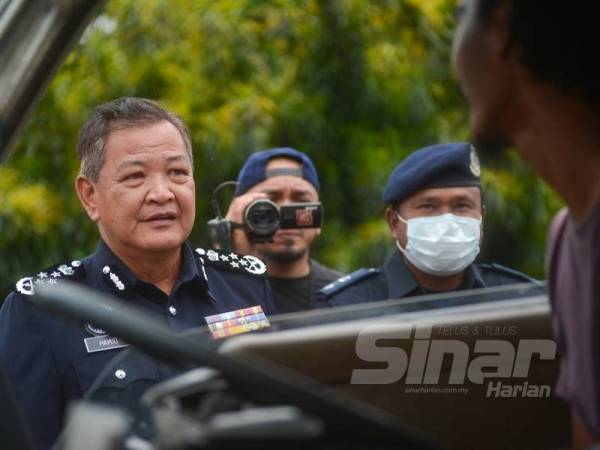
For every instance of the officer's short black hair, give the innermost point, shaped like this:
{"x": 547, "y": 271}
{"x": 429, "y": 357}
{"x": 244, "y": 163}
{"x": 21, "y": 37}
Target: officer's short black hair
{"x": 557, "y": 42}
{"x": 119, "y": 114}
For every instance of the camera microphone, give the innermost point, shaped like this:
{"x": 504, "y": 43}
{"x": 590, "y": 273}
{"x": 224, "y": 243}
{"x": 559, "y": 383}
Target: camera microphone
{"x": 219, "y": 229}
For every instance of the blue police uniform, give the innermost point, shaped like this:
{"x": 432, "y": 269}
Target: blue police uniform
{"x": 394, "y": 281}
{"x": 436, "y": 166}
{"x": 51, "y": 361}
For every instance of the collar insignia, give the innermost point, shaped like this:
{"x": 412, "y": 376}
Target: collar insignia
{"x": 111, "y": 277}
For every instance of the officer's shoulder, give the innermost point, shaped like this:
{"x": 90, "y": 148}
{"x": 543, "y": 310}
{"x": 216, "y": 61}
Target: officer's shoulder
{"x": 507, "y": 273}
{"x": 52, "y": 275}
{"x": 347, "y": 281}
{"x": 231, "y": 262}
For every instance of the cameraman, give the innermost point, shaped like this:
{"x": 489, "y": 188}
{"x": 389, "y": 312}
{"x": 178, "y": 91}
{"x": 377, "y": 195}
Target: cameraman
{"x": 284, "y": 176}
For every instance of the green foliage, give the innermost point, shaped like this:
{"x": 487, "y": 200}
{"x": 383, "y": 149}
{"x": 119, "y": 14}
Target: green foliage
{"x": 355, "y": 84}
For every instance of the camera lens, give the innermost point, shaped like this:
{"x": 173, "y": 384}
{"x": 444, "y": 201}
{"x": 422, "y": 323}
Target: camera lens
{"x": 262, "y": 217}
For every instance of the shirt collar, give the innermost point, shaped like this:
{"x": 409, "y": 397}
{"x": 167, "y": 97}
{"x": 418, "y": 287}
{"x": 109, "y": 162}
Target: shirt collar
{"x": 401, "y": 282}
{"x": 189, "y": 269}
{"x": 120, "y": 278}
{"x": 399, "y": 279}
{"x": 472, "y": 278}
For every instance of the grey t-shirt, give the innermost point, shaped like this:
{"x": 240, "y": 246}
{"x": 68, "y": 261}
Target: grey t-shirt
{"x": 574, "y": 281}
{"x": 298, "y": 294}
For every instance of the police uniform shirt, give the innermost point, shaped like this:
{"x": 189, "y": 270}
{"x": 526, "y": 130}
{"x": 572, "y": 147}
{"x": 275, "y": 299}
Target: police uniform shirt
{"x": 51, "y": 361}
{"x": 394, "y": 280}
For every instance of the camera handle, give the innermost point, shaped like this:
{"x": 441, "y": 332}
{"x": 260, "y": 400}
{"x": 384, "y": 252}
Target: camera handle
{"x": 220, "y": 229}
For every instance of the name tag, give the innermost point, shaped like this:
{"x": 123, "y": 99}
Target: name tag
{"x": 237, "y": 322}
{"x": 101, "y": 343}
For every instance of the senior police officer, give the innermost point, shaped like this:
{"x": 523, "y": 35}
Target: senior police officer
{"x": 136, "y": 183}
{"x": 283, "y": 175}
{"x": 435, "y": 216}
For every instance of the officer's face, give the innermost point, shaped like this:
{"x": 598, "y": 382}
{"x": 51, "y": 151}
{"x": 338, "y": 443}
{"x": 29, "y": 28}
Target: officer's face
{"x": 143, "y": 200}
{"x": 483, "y": 60}
{"x": 287, "y": 245}
{"x": 460, "y": 201}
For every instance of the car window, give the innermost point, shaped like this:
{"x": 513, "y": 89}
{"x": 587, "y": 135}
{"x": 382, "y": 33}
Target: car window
{"x": 34, "y": 40}
{"x": 460, "y": 302}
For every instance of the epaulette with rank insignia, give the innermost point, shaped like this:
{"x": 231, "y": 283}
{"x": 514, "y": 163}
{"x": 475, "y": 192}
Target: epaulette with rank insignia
{"x": 347, "y": 281}
{"x": 247, "y": 264}
{"x": 51, "y": 275}
{"x": 509, "y": 272}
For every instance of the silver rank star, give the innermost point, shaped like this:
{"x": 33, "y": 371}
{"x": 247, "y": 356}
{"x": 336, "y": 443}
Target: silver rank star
{"x": 224, "y": 258}
{"x": 42, "y": 275}
{"x": 233, "y": 256}
{"x": 234, "y": 264}
{"x": 55, "y": 274}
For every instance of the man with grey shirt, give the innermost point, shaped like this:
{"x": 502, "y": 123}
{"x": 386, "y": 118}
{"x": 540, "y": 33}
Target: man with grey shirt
{"x": 282, "y": 175}
{"x": 530, "y": 75}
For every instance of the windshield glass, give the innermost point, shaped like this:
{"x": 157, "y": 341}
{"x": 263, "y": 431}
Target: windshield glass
{"x": 34, "y": 39}
{"x": 423, "y": 304}
{"x": 3, "y": 6}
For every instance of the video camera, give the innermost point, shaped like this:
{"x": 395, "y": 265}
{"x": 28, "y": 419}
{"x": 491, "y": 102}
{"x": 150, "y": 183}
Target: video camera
{"x": 261, "y": 220}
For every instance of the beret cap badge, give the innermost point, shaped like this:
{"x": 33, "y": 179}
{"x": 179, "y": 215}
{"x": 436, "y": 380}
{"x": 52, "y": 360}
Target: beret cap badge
{"x": 474, "y": 166}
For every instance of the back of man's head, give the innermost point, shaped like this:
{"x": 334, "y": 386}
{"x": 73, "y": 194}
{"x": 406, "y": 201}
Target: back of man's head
{"x": 556, "y": 41}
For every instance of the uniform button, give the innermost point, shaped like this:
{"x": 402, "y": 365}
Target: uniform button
{"x": 120, "y": 374}
{"x": 173, "y": 310}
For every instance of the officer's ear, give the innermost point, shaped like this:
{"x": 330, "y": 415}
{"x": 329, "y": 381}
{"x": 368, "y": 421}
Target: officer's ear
{"x": 87, "y": 193}
{"x": 482, "y": 220}
{"x": 391, "y": 217}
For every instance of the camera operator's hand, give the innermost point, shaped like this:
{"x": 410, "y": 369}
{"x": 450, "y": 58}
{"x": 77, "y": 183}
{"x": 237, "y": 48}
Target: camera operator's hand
{"x": 235, "y": 213}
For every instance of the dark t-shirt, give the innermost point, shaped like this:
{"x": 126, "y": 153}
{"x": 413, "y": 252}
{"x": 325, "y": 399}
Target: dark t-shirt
{"x": 298, "y": 294}
{"x": 574, "y": 281}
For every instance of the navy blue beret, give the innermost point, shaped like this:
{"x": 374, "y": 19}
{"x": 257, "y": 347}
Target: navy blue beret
{"x": 443, "y": 165}
{"x": 253, "y": 170}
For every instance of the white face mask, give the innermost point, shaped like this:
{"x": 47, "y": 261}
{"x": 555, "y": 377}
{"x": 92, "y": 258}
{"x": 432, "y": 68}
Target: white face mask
{"x": 441, "y": 245}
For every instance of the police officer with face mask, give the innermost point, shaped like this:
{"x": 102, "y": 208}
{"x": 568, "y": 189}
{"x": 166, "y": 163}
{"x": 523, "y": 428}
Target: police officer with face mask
{"x": 435, "y": 216}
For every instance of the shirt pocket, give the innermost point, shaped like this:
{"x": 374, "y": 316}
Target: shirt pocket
{"x": 112, "y": 372}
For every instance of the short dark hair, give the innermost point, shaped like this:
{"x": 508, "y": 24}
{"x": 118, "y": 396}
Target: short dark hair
{"x": 119, "y": 114}
{"x": 558, "y": 42}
